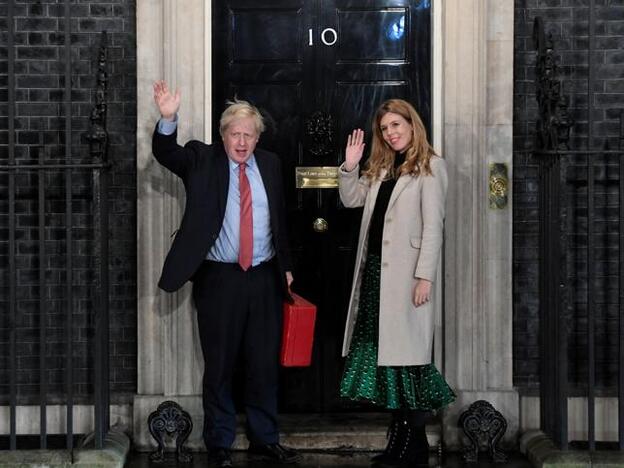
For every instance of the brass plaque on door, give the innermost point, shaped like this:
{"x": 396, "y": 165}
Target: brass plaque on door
{"x": 316, "y": 176}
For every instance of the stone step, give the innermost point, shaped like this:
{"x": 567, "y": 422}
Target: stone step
{"x": 543, "y": 453}
{"x": 332, "y": 431}
{"x": 333, "y": 460}
{"x": 112, "y": 455}
{"x": 336, "y": 432}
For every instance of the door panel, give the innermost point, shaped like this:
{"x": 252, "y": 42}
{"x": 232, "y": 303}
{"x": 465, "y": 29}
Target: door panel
{"x": 252, "y": 41}
{"x": 316, "y": 69}
{"x": 371, "y": 35}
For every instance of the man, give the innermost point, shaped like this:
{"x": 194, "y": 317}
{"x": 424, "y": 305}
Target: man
{"x": 232, "y": 245}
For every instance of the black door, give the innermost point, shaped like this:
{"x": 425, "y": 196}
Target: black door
{"x": 317, "y": 69}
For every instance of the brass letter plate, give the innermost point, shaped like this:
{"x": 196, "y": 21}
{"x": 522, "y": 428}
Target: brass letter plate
{"x": 316, "y": 177}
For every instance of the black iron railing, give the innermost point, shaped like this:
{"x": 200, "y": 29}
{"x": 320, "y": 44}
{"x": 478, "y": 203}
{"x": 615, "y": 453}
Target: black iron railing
{"x": 95, "y": 166}
{"x": 568, "y": 180}
{"x": 566, "y": 177}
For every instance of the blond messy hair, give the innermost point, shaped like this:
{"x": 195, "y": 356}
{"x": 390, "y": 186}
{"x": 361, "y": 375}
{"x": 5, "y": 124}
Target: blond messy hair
{"x": 239, "y": 109}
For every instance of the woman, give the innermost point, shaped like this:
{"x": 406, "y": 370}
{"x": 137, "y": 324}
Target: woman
{"x": 389, "y": 334}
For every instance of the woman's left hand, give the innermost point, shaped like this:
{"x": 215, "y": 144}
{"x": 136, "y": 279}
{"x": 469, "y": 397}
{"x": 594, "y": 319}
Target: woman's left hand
{"x": 422, "y": 292}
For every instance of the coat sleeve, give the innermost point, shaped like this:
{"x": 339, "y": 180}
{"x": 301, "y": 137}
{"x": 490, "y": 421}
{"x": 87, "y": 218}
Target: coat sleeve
{"x": 352, "y": 189}
{"x": 179, "y": 160}
{"x": 433, "y": 203}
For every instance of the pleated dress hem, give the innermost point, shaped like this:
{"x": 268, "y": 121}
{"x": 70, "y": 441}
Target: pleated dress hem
{"x": 391, "y": 387}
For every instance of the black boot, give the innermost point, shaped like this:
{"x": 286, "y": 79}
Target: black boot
{"x": 417, "y": 452}
{"x": 396, "y": 440}
{"x": 410, "y": 447}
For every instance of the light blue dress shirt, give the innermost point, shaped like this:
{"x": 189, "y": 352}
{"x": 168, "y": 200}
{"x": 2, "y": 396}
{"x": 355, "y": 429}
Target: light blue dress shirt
{"x": 225, "y": 248}
{"x": 167, "y": 127}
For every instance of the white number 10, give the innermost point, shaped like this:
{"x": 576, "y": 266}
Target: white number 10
{"x": 324, "y": 39}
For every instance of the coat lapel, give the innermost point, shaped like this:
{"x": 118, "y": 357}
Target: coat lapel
{"x": 370, "y": 202}
{"x": 403, "y": 181}
{"x": 374, "y": 190}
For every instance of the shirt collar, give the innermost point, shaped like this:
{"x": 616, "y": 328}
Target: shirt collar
{"x": 251, "y": 163}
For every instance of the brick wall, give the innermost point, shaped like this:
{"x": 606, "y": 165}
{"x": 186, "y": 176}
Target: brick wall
{"x": 39, "y": 111}
{"x": 567, "y": 20}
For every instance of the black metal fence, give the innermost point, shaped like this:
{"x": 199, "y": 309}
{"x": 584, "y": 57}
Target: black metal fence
{"x": 66, "y": 168}
{"x": 581, "y": 209}
{"x": 571, "y": 184}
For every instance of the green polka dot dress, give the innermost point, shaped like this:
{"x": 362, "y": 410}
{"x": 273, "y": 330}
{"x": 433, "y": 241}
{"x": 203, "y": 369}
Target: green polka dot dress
{"x": 396, "y": 387}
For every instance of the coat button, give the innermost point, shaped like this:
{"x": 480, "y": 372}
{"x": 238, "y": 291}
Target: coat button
{"x": 388, "y": 220}
{"x": 386, "y": 242}
{"x": 384, "y": 265}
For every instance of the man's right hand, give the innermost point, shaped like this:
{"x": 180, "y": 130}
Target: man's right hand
{"x": 168, "y": 104}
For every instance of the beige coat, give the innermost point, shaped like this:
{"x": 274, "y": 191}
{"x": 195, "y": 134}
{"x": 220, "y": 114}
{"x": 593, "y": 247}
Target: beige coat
{"x": 411, "y": 244}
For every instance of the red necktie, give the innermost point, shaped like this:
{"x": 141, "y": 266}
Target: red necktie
{"x": 245, "y": 249}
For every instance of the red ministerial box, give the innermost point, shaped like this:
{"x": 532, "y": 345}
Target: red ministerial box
{"x": 298, "y": 333}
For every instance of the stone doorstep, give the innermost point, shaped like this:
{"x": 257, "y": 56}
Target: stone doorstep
{"x": 361, "y": 431}
{"x": 542, "y": 453}
{"x": 113, "y": 455}
{"x": 337, "y": 432}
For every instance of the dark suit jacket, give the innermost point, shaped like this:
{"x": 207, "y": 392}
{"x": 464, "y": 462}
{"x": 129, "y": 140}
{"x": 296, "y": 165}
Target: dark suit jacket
{"x": 205, "y": 172}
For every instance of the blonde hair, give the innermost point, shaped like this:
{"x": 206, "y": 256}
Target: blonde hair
{"x": 239, "y": 109}
{"x": 419, "y": 152}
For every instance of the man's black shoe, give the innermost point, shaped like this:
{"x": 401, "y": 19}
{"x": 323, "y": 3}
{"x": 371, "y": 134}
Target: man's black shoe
{"x": 219, "y": 457}
{"x": 274, "y": 453}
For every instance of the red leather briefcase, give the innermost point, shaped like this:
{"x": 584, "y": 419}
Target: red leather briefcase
{"x": 298, "y": 333}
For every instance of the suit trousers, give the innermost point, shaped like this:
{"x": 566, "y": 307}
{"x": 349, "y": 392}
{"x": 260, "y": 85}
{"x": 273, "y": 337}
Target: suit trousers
{"x": 239, "y": 314}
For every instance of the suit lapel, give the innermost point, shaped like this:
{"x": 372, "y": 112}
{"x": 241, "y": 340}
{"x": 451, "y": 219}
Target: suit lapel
{"x": 222, "y": 167}
{"x": 265, "y": 173}
{"x": 267, "y": 181}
